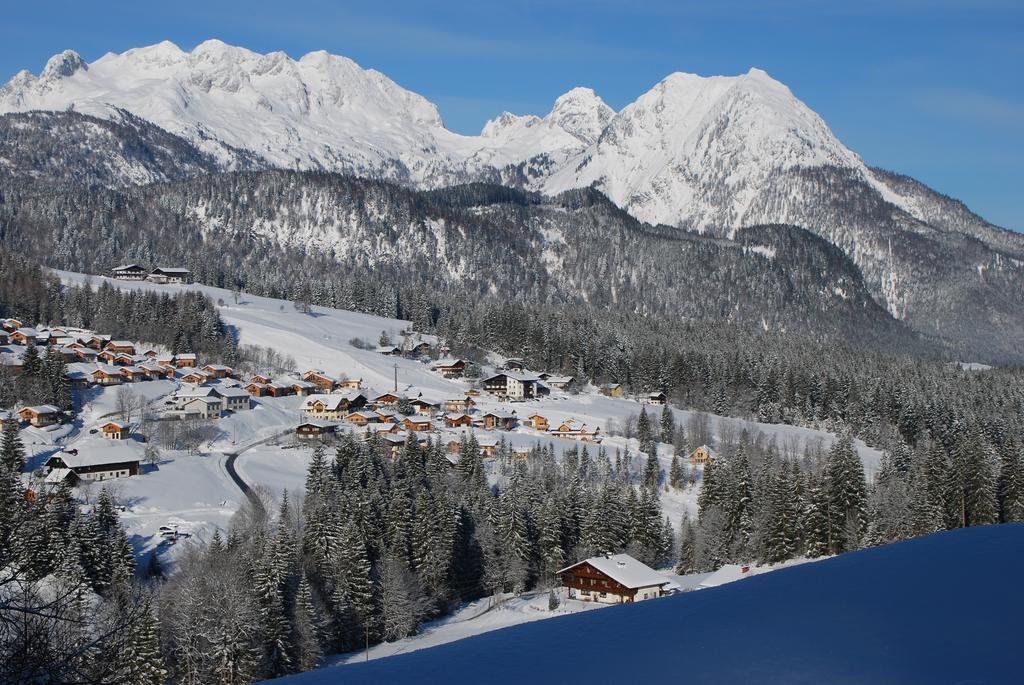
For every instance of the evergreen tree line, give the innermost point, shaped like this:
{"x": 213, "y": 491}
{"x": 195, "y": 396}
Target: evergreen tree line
{"x": 70, "y": 608}
{"x": 377, "y": 545}
{"x": 758, "y": 506}
{"x": 42, "y": 380}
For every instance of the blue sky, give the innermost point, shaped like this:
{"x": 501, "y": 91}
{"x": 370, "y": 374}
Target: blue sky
{"x": 930, "y": 88}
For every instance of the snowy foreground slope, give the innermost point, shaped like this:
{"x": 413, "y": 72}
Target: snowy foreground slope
{"x": 940, "y": 609}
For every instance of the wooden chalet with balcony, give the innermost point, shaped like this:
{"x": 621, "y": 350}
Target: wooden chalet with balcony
{"x": 320, "y": 379}
{"x": 315, "y": 430}
{"x": 40, "y": 415}
{"x": 701, "y": 456}
{"x": 613, "y": 579}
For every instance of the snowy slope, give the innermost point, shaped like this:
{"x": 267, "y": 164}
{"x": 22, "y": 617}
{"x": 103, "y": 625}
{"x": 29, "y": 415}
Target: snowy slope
{"x": 913, "y": 612}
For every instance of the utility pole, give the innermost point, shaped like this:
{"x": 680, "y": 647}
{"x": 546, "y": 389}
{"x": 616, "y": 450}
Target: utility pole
{"x": 396, "y": 379}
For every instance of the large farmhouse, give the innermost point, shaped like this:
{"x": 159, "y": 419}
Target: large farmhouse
{"x": 97, "y": 464}
{"x": 613, "y": 579}
{"x": 512, "y": 385}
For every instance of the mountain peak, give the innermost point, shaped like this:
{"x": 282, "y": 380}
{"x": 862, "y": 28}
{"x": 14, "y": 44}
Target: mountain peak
{"x": 63, "y": 65}
{"x": 581, "y": 113}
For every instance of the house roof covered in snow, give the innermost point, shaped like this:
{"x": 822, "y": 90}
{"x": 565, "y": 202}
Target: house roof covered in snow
{"x": 623, "y": 569}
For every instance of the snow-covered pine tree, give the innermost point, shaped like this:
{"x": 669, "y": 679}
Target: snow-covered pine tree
{"x": 12, "y": 451}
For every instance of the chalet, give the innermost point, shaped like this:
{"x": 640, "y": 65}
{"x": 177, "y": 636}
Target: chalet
{"x": 387, "y": 398}
{"x": 132, "y": 374}
{"x": 313, "y": 430}
{"x": 120, "y": 346}
{"x": 329, "y": 407}
{"x": 394, "y": 442}
{"x": 613, "y": 579}
{"x": 701, "y": 456}
{"x": 77, "y": 378}
{"x": 521, "y": 453}
{"x": 488, "y": 446}
{"x": 656, "y": 398}
{"x": 514, "y": 365}
{"x": 380, "y": 429}
{"x": 234, "y": 399}
{"x": 97, "y": 464}
{"x": 418, "y": 424}
{"x": 424, "y": 407}
{"x": 261, "y": 379}
{"x": 11, "y": 325}
{"x": 165, "y": 360}
{"x": 166, "y": 274}
{"x": 153, "y": 370}
{"x": 498, "y": 419}
{"x": 202, "y": 408}
{"x": 97, "y": 342}
{"x": 7, "y": 417}
{"x": 185, "y": 360}
{"x": 68, "y": 354}
{"x": 385, "y": 414}
{"x": 105, "y": 374}
{"x": 558, "y": 382}
{"x": 459, "y": 404}
{"x": 457, "y": 420}
{"x": 350, "y": 384}
{"x": 453, "y": 447}
{"x": 256, "y": 389}
{"x": 195, "y": 376}
{"x": 106, "y": 356}
{"x": 218, "y": 371}
{"x": 576, "y": 430}
{"x": 150, "y": 352}
{"x": 41, "y": 415}
{"x": 537, "y": 421}
{"x": 390, "y": 350}
{"x": 279, "y": 389}
{"x": 511, "y": 385}
{"x": 114, "y": 430}
{"x": 24, "y": 336}
{"x": 304, "y": 388}
{"x": 417, "y": 349}
{"x": 362, "y": 417}
{"x": 128, "y": 272}
{"x": 450, "y": 368}
{"x": 320, "y": 379}
{"x": 612, "y": 390}
{"x": 86, "y": 354}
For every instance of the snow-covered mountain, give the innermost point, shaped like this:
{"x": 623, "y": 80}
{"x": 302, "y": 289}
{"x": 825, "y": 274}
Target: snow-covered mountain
{"x": 691, "y": 151}
{"x": 710, "y": 154}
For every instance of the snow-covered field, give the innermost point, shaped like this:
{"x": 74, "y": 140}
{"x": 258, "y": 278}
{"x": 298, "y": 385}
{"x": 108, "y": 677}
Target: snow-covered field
{"x": 195, "y": 490}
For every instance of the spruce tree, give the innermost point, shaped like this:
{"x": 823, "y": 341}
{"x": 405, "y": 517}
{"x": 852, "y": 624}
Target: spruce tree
{"x": 668, "y": 425}
{"x": 1011, "y": 484}
{"x": 12, "y": 451}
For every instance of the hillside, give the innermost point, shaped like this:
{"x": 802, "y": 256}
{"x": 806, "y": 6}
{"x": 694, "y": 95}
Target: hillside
{"x": 273, "y": 232}
{"x": 870, "y": 616}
